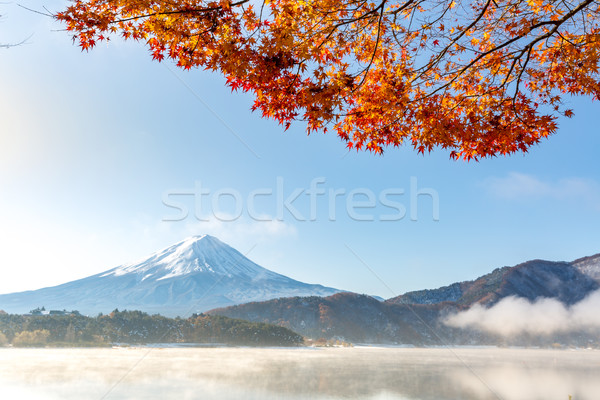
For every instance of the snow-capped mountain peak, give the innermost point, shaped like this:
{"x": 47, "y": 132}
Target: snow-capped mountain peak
{"x": 194, "y": 275}
{"x": 195, "y": 254}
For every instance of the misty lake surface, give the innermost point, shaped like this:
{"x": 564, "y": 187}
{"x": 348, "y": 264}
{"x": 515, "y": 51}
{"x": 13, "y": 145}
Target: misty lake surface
{"x": 300, "y": 373}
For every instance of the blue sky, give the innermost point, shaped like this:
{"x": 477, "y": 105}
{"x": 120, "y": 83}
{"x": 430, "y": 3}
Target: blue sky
{"x": 92, "y": 143}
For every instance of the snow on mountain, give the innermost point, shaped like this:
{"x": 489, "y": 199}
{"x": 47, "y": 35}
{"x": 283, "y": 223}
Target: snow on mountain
{"x": 195, "y": 254}
{"x": 567, "y": 282}
{"x": 194, "y": 275}
{"x": 589, "y": 266}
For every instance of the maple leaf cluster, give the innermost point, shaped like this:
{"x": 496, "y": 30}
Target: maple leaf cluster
{"x": 479, "y": 78}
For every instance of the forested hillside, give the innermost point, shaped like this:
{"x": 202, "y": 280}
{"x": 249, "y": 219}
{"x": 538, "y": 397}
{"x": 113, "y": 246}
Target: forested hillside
{"x": 136, "y": 327}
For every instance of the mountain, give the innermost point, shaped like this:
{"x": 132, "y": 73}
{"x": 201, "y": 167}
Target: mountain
{"x": 194, "y": 275}
{"x": 417, "y": 317}
{"x": 589, "y": 266}
{"x": 567, "y": 282}
{"x": 357, "y": 318}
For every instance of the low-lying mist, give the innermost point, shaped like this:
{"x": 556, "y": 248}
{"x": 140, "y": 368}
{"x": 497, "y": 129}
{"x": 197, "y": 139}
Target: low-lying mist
{"x": 299, "y": 374}
{"x": 516, "y": 315}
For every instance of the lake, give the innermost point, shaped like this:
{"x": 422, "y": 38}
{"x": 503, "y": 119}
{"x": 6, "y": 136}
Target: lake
{"x": 300, "y": 373}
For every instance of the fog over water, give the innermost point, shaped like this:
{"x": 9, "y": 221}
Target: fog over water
{"x": 302, "y": 373}
{"x": 514, "y": 315}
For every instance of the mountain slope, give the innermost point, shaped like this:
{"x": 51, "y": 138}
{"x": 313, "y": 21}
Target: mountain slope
{"x": 532, "y": 279}
{"x": 416, "y": 317}
{"x": 589, "y": 266}
{"x": 349, "y": 316}
{"x": 194, "y": 275}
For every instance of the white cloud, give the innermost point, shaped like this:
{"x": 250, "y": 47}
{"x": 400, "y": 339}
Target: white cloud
{"x": 523, "y": 186}
{"x": 515, "y": 315}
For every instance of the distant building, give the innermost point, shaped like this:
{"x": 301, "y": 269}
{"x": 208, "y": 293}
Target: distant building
{"x": 43, "y": 311}
{"x": 37, "y": 311}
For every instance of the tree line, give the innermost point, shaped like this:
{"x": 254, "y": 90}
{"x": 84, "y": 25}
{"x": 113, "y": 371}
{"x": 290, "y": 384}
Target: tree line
{"x": 137, "y": 327}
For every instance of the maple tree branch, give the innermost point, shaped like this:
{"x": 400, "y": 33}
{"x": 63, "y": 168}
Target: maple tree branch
{"x": 45, "y": 14}
{"x": 404, "y": 7}
{"x": 518, "y": 80}
{"x": 178, "y": 12}
{"x": 445, "y": 69}
{"x": 366, "y": 70}
{"x": 461, "y": 34}
{"x": 551, "y": 32}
